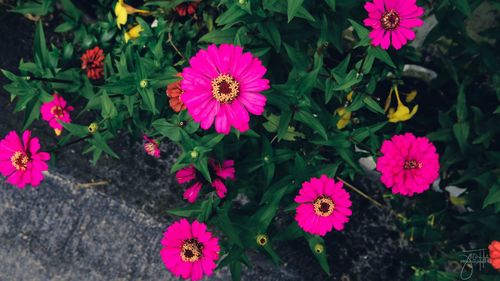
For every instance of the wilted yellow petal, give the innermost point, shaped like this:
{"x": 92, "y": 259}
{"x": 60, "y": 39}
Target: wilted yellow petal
{"x": 345, "y": 117}
{"x": 132, "y": 10}
{"x": 121, "y": 14}
{"x": 133, "y": 33}
{"x": 402, "y": 112}
{"x": 413, "y": 111}
{"x": 349, "y": 96}
{"x": 411, "y": 96}
{"x": 388, "y": 100}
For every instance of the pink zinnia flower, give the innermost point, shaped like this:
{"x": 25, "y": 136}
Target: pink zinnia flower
{"x": 323, "y": 204}
{"x": 392, "y": 21}
{"x": 222, "y": 172}
{"x": 189, "y": 250}
{"x": 20, "y": 160}
{"x": 409, "y": 164}
{"x": 151, "y": 147}
{"x": 54, "y": 111}
{"x": 224, "y": 84}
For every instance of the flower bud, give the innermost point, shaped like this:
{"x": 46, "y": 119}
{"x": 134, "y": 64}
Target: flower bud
{"x": 262, "y": 239}
{"x": 93, "y": 127}
{"x": 144, "y": 83}
{"x": 319, "y": 248}
{"x": 194, "y": 154}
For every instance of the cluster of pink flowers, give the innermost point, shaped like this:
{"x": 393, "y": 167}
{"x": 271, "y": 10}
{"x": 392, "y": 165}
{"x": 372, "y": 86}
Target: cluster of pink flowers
{"x": 222, "y": 86}
{"x": 222, "y": 172}
{"x": 56, "y": 111}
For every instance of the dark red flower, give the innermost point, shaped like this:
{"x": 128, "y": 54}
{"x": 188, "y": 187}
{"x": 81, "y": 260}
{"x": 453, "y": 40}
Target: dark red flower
{"x": 188, "y": 8}
{"x": 92, "y": 62}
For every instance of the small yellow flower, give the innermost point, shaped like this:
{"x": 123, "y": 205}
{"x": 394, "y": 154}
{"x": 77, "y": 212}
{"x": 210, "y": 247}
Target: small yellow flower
{"x": 57, "y": 132}
{"x": 345, "y": 116}
{"x": 133, "y": 33}
{"x": 122, "y": 10}
{"x": 402, "y": 112}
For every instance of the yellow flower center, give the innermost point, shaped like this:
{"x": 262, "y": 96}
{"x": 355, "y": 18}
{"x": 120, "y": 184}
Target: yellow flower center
{"x": 191, "y": 250}
{"x": 225, "y": 88}
{"x": 323, "y": 206}
{"x": 20, "y": 161}
{"x": 412, "y": 164}
{"x": 390, "y": 20}
{"x": 150, "y": 148}
{"x": 57, "y": 111}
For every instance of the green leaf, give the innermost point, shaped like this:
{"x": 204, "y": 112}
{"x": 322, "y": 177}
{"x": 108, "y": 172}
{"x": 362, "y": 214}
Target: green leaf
{"x": 373, "y": 105}
{"x": 108, "y": 107}
{"x": 350, "y": 80}
{"x": 235, "y": 268}
{"x": 314, "y": 123}
{"x": 362, "y": 33}
{"x": 461, "y": 102}
{"x": 271, "y": 34}
{"x": 76, "y": 130}
{"x": 293, "y": 8}
{"x": 331, "y": 3}
{"x": 382, "y": 55}
{"x": 71, "y": 10}
{"x": 148, "y": 97}
{"x": 285, "y": 118}
{"x": 313, "y": 242}
{"x": 493, "y": 196}
{"x": 64, "y": 27}
{"x": 211, "y": 140}
{"x": 224, "y": 223}
{"x": 32, "y": 113}
{"x": 98, "y": 141}
{"x": 41, "y": 53}
{"x": 299, "y": 60}
{"x": 364, "y": 132}
{"x": 463, "y": 6}
{"x": 186, "y": 212}
{"x": 35, "y": 9}
{"x": 219, "y": 36}
{"x": 461, "y": 131}
{"x": 206, "y": 209}
{"x": 201, "y": 164}
{"x": 167, "y": 129}
{"x": 231, "y": 16}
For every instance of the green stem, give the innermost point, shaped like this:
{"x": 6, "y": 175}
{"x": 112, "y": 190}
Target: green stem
{"x": 53, "y": 80}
